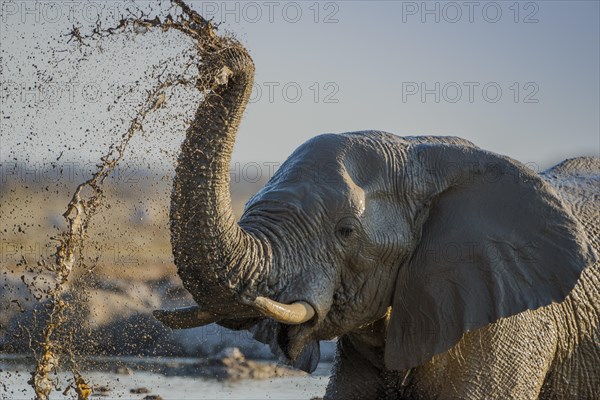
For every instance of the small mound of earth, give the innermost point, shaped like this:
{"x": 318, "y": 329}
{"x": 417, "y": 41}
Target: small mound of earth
{"x": 230, "y": 364}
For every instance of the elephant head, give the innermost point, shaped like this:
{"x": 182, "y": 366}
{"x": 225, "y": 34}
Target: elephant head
{"x": 450, "y": 236}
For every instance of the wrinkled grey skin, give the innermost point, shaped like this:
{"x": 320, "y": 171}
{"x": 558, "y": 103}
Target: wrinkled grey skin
{"x": 445, "y": 270}
{"x": 551, "y": 352}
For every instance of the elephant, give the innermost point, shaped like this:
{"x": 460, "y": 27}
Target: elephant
{"x": 444, "y": 270}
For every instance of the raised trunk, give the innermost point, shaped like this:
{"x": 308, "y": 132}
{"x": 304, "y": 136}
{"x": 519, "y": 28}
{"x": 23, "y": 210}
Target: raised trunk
{"x": 215, "y": 258}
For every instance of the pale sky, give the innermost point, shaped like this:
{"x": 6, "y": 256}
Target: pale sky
{"x": 359, "y": 65}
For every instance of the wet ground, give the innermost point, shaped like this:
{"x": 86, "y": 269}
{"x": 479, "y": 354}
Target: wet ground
{"x": 163, "y": 378}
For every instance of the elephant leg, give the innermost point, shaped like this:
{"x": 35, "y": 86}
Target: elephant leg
{"x": 575, "y": 373}
{"x": 358, "y": 368}
{"x": 505, "y": 360}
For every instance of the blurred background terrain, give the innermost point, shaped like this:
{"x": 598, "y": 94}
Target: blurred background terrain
{"x": 129, "y": 255}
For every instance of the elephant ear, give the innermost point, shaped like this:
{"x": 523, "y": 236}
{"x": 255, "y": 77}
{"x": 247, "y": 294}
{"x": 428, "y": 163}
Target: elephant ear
{"x": 495, "y": 241}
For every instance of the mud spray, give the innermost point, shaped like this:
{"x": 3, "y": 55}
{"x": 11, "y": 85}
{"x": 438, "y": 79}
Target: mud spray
{"x": 69, "y": 268}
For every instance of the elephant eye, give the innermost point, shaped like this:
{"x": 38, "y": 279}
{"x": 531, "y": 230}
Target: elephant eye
{"x": 346, "y": 227}
{"x": 345, "y": 232}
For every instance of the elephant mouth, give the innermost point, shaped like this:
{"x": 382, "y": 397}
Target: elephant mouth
{"x": 290, "y": 331}
{"x": 300, "y": 350}
{"x": 287, "y": 328}
{"x": 295, "y": 345}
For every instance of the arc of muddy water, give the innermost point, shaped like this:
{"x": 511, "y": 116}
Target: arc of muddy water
{"x": 78, "y": 215}
{"x": 82, "y": 205}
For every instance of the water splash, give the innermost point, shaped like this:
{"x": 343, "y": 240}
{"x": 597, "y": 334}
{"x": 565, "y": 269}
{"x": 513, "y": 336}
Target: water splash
{"x": 89, "y": 195}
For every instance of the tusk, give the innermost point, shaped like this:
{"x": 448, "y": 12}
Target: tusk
{"x": 186, "y": 317}
{"x": 292, "y": 314}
